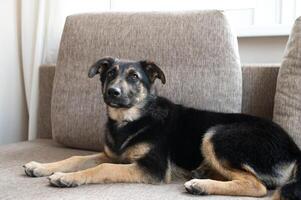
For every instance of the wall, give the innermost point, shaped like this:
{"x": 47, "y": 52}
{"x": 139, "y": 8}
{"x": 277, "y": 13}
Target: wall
{"x": 261, "y": 49}
{"x": 13, "y": 114}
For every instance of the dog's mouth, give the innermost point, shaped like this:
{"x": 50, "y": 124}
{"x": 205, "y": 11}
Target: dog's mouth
{"x": 117, "y": 103}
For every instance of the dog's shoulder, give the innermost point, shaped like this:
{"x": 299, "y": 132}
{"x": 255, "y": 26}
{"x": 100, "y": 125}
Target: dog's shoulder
{"x": 162, "y": 108}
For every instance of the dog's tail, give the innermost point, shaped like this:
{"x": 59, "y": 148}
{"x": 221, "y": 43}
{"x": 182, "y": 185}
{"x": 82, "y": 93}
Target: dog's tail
{"x": 291, "y": 190}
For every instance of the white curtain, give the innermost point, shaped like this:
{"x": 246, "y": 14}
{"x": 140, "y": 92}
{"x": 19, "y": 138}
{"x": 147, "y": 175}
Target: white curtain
{"x": 32, "y": 38}
{"x": 42, "y": 23}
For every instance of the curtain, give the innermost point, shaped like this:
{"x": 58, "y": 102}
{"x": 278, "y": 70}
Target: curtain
{"x": 33, "y": 25}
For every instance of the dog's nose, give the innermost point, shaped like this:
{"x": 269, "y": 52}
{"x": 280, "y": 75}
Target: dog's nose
{"x": 114, "y": 92}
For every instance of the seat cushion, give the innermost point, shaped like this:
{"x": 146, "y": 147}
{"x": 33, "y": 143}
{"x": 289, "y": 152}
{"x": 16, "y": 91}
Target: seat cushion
{"x": 196, "y": 50}
{"x": 15, "y": 185}
{"x": 287, "y": 110}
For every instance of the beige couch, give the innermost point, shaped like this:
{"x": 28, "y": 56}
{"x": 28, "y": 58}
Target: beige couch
{"x": 258, "y": 90}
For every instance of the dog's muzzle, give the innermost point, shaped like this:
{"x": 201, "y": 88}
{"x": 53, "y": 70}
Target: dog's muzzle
{"x": 114, "y": 98}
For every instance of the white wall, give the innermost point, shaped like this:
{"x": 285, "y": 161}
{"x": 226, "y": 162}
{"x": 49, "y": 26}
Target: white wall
{"x": 261, "y": 49}
{"x": 13, "y": 114}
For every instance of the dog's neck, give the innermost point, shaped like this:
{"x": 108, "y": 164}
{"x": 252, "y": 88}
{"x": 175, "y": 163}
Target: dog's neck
{"x": 124, "y": 115}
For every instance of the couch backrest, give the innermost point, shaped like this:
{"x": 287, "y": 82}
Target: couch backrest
{"x": 196, "y": 50}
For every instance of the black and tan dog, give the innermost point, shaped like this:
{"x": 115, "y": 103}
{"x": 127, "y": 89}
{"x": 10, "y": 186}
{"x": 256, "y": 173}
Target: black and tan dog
{"x": 150, "y": 139}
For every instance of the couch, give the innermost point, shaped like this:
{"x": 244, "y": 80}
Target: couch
{"x": 258, "y": 85}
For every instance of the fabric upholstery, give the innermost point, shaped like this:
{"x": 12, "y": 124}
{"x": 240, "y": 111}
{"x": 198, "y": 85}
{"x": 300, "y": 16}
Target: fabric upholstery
{"x": 15, "y": 185}
{"x": 196, "y": 50}
{"x": 259, "y": 85}
{"x": 46, "y": 76}
{"x": 287, "y": 110}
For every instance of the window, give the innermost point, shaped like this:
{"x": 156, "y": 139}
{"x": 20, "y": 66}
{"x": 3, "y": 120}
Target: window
{"x": 248, "y": 17}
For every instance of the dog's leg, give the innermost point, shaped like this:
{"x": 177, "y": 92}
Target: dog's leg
{"x": 104, "y": 173}
{"x": 240, "y": 183}
{"x": 242, "y": 187}
{"x": 74, "y": 163}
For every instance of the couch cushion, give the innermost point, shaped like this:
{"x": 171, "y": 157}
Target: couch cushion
{"x": 15, "y": 185}
{"x": 46, "y": 76}
{"x": 196, "y": 50}
{"x": 287, "y": 111}
{"x": 259, "y": 86}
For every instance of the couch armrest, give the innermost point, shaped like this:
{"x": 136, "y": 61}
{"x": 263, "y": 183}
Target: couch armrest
{"x": 46, "y": 76}
{"x": 259, "y": 86}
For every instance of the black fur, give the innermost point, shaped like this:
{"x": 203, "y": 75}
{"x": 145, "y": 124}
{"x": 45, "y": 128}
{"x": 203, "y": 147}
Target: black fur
{"x": 292, "y": 190}
{"x": 176, "y": 134}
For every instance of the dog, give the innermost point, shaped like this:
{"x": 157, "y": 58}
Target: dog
{"x": 152, "y": 140}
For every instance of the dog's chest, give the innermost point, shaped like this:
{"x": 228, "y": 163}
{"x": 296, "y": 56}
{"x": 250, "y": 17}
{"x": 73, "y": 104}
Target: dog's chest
{"x": 130, "y": 154}
{"x": 125, "y": 143}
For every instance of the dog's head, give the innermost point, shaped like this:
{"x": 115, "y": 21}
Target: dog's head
{"x": 126, "y": 83}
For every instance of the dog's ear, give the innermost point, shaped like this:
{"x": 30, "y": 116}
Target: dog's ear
{"x": 100, "y": 66}
{"x": 153, "y": 71}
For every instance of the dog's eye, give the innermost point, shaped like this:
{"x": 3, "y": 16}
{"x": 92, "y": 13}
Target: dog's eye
{"x": 111, "y": 74}
{"x": 133, "y": 77}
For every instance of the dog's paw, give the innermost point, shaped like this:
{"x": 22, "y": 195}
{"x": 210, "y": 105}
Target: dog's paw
{"x": 60, "y": 179}
{"x": 35, "y": 169}
{"x": 194, "y": 187}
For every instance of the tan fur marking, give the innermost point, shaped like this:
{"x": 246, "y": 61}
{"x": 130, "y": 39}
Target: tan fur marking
{"x": 116, "y": 66}
{"x": 104, "y": 173}
{"x": 135, "y": 152}
{"x": 110, "y": 173}
{"x": 240, "y": 187}
{"x": 131, "y": 154}
{"x": 125, "y": 86}
{"x": 285, "y": 172}
{"x": 118, "y": 173}
{"x": 276, "y": 195}
{"x": 142, "y": 94}
{"x": 131, "y": 69}
{"x": 71, "y": 164}
{"x": 241, "y": 183}
{"x": 124, "y": 114}
{"x": 76, "y": 163}
{"x": 210, "y": 158}
{"x": 249, "y": 169}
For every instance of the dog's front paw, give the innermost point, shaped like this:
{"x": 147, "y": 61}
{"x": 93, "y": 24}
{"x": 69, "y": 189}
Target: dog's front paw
{"x": 60, "y": 179}
{"x": 194, "y": 186}
{"x": 35, "y": 169}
